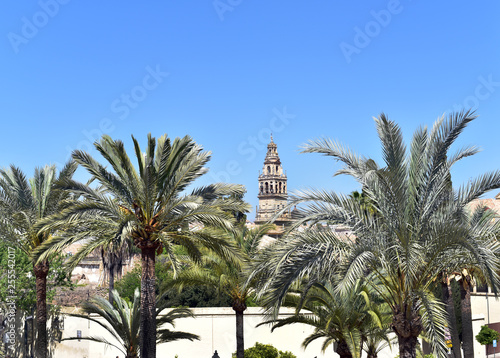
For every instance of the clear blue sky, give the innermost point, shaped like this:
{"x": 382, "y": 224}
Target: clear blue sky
{"x": 227, "y": 72}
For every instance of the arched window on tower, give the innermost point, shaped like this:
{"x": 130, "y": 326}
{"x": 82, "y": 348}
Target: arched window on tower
{"x": 280, "y": 188}
{"x": 284, "y": 188}
{"x": 271, "y": 188}
{"x": 267, "y": 187}
{"x": 276, "y": 169}
{"x": 261, "y": 189}
{"x": 268, "y": 169}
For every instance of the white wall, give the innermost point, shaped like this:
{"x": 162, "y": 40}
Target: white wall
{"x": 217, "y": 330}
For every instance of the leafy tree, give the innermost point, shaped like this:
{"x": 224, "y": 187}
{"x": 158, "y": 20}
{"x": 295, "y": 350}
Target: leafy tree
{"x": 487, "y": 335}
{"x": 190, "y": 296}
{"x": 154, "y": 208}
{"x": 24, "y": 282}
{"x": 23, "y": 206}
{"x": 265, "y": 351}
{"x": 419, "y": 231}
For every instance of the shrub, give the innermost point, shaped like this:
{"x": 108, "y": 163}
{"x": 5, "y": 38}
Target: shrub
{"x": 487, "y": 335}
{"x": 265, "y": 351}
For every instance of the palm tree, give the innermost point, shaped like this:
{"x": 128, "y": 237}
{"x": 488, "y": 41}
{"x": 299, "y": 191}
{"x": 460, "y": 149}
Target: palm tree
{"x": 122, "y": 320}
{"x": 418, "y": 232}
{"x": 155, "y": 208}
{"x": 113, "y": 257}
{"x": 102, "y": 234}
{"x": 23, "y": 205}
{"x": 480, "y": 220}
{"x": 352, "y": 319}
{"x": 228, "y": 277}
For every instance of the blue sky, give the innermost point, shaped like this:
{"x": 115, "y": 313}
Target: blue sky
{"x": 228, "y": 72}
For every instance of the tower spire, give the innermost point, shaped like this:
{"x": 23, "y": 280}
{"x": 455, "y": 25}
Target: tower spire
{"x": 273, "y": 194}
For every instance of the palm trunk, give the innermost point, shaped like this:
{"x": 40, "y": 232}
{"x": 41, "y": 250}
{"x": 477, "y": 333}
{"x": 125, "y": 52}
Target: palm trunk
{"x": 407, "y": 347}
{"x": 148, "y": 304}
{"x": 131, "y": 355}
{"x": 41, "y": 272}
{"x": 239, "y": 307}
{"x": 343, "y": 349}
{"x": 407, "y": 324}
{"x": 467, "y": 335}
{"x": 111, "y": 283}
{"x": 452, "y": 320}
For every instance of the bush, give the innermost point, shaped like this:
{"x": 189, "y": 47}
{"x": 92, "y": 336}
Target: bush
{"x": 265, "y": 351}
{"x": 487, "y": 335}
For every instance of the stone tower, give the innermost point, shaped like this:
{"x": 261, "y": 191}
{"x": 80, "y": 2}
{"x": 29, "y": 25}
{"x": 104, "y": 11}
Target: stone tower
{"x": 272, "y": 191}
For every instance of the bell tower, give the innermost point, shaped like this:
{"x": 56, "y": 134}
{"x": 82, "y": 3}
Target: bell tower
{"x": 273, "y": 193}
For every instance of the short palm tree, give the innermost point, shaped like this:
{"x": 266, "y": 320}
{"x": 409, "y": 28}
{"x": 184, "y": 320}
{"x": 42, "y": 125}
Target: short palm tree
{"x": 156, "y": 208}
{"x": 228, "y": 277}
{"x": 350, "y": 319}
{"x": 23, "y": 205}
{"x": 122, "y": 320}
{"x": 419, "y": 229}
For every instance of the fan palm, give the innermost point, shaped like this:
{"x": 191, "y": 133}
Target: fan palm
{"x": 156, "y": 210}
{"x": 228, "y": 277}
{"x": 419, "y": 229}
{"x": 122, "y": 320}
{"x": 23, "y": 205}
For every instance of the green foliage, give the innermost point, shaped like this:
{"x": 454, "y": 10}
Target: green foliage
{"x": 21, "y": 267}
{"x": 419, "y": 355}
{"x": 266, "y": 351}
{"x": 487, "y": 335}
{"x": 128, "y": 283}
{"x": 191, "y": 296}
{"x": 287, "y": 354}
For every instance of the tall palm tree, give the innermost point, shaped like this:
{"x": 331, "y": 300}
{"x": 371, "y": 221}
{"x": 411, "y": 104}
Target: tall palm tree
{"x": 23, "y": 205}
{"x": 155, "y": 208}
{"x": 228, "y": 277}
{"x": 122, "y": 320}
{"x": 418, "y": 232}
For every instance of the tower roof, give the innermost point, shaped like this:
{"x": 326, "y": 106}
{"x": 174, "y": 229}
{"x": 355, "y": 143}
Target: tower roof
{"x": 272, "y": 156}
